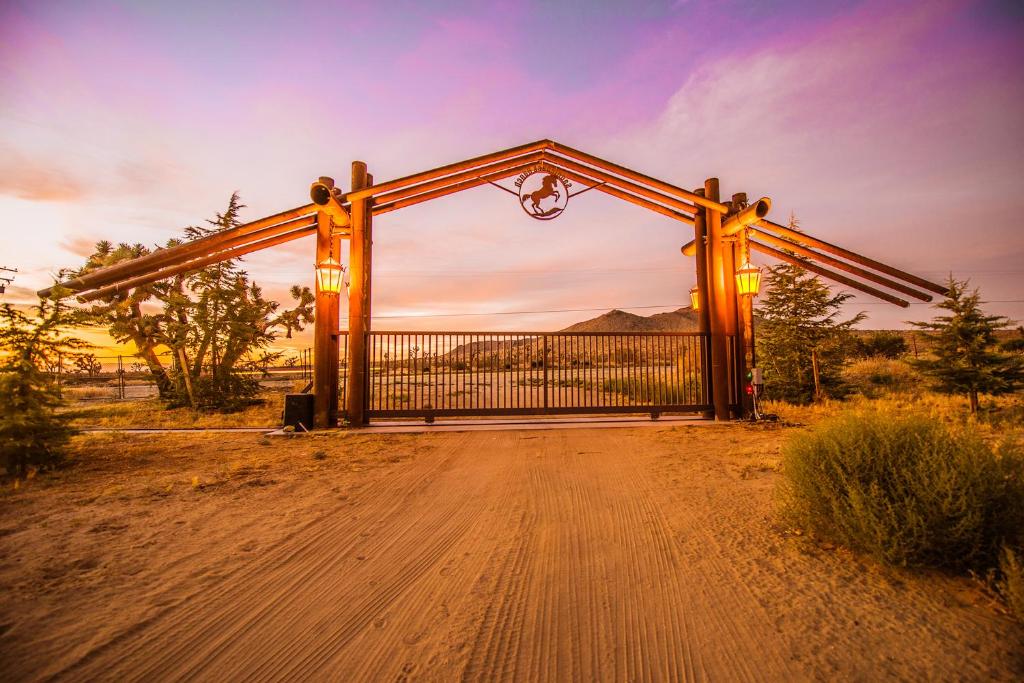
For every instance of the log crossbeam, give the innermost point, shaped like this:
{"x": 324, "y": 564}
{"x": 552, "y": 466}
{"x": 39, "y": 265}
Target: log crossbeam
{"x": 804, "y": 238}
{"x": 167, "y": 271}
{"x": 825, "y": 272}
{"x": 247, "y": 233}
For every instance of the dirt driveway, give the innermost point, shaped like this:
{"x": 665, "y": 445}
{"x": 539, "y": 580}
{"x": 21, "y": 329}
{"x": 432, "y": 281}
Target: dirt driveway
{"x": 613, "y": 554}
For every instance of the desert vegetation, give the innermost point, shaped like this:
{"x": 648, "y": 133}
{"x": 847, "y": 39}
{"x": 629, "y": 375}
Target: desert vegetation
{"x": 909, "y": 490}
{"x": 215, "y": 323}
{"x": 915, "y": 461}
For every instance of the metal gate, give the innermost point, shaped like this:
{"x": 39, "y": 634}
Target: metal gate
{"x": 437, "y": 374}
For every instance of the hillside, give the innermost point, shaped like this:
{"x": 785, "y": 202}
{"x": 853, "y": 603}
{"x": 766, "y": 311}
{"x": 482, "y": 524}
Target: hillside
{"x": 681, "y": 320}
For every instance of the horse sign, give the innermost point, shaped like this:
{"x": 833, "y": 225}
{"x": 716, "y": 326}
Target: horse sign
{"x": 542, "y": 195}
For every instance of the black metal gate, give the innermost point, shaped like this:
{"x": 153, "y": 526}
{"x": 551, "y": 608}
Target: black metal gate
{"x": 437, "y": 374}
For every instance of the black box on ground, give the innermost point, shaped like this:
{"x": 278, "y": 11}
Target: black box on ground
{"x": 298, "y": 411}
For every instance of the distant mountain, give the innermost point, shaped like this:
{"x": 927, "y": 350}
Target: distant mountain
{"x": 681, "y": 320}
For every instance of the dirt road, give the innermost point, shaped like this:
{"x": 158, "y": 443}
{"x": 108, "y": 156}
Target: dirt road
{"x": 626, "y": 554}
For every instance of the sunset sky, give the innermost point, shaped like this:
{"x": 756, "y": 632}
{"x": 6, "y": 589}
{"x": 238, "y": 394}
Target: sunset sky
{"x": 894, "y": 129}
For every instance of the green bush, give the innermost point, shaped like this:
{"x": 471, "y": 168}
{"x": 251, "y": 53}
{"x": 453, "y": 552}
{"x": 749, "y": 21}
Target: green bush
{"x": 875, "y": 377}
{"x": 32, "y": 433}
{"x": 880, "y": 344}
{"x": 907, "y": 490}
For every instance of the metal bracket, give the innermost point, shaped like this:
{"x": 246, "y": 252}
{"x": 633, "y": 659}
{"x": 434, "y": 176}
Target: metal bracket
{"x": 502, "y": 187}
{"x": 586, "y": 189}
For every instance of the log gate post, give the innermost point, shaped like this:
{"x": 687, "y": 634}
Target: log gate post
{"x": 718, "y": 305}
{"x": 360, "y": 247}
{"x": 700, "y": 234}
{"x": 741, "y": 361}
{"x": 325, "y": 326}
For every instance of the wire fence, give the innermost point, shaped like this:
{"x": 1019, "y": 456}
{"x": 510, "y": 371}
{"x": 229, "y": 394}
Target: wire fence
{"x": 121, "y": 377}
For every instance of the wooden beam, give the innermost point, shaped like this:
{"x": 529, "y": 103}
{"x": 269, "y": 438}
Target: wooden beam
{"x": 804, "y": 238}
{"x": 446, "y": 181}
{"x": 621, "y": 194}
{"x": 450, "y": 189}
{"x": 638, "y": 177}
{"x": 700, "y": 231}
{"x": 825, "y": 272}
{"x": 746, "y": 216}
{"x": 196, "y": 264}
{"x": 358, "y": 309}
{"x": 323, "y": 328}
{"x": 474, "y": 164}
{"x": 718, "y": 306}
{"x": 173, "y": 259}
{"x": 836, "y": 263}
{"x": 640, "y": 190}
{"x": 161, "y": 257}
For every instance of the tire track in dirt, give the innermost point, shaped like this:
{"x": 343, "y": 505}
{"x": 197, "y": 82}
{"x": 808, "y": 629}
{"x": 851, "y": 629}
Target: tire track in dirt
{"x": 731, "y": 640}
{"x": 542, "y": 555}
{"x": 190, "y": 625}
{"x": 601, "y": 583}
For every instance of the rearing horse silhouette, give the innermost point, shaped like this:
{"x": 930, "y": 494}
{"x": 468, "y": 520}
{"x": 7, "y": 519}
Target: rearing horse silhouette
{"x": 547, "y": 189}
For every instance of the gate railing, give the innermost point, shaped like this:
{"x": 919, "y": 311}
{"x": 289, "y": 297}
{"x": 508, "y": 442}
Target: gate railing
{"x": 515, "y": 373}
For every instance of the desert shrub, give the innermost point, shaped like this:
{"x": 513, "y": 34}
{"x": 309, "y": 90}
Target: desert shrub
{"x": 1015, "y": 345}
{"x": 229, "y": 392}
{"x": 875, "y": 377}
{"x": 652, "y": 391}
{"x": 880, "y": 344}
{"x": 1011, "y": 566}
{"x": 906, "y": 489}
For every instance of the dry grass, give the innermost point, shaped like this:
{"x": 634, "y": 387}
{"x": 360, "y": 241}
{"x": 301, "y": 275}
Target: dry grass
{"x": 1000, "y": 417}
{"x": 150, "y": 413}
{"x": 1011, "y": 565}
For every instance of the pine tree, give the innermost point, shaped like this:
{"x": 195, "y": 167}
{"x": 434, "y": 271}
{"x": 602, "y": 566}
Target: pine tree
{"x": 799, "y": 324}
{"x": 32, "y": 433}
{"x": 967, "y": 359}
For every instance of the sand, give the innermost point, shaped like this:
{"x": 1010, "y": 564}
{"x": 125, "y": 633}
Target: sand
{"x": 613, "y": 554}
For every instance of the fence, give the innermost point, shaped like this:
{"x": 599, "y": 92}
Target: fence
{"x": 88, "y": 377}
{"x": 485, "y": 373}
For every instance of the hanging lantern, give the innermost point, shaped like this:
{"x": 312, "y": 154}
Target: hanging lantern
{"x": 748, "y": 279}
{"x": 328, "y": 275}
{"x": 695, "y": 299}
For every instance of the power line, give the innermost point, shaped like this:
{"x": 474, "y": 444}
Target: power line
{"x": 557, "y": 310}
{"x": 627, "y": 308}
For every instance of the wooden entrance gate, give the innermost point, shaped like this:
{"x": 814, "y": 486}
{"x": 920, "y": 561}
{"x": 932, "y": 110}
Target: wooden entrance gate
{"x": 445, "y": 374}
{"x": 724, "y": 234}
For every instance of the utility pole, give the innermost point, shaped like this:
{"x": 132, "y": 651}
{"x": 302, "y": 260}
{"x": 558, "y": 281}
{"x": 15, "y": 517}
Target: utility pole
{"x": 4, "y": 281}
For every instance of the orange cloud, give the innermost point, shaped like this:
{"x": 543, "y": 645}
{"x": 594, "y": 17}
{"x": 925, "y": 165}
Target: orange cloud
{"x": 24, "y": 178}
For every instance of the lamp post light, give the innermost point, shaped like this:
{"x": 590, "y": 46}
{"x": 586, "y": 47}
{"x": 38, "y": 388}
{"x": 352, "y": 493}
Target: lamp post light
{"x": 329, "y": 275}
{"x": 695, "y": 298}
{"x": 748, "y": 285}
{"x": 748, "y": 280}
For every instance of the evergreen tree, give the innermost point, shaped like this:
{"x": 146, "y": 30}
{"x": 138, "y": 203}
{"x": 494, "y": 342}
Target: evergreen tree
{"x": 32, "y": 433}
{"x": 967, "y": 359}
{"x": 126, "y": 316}
{"x": 800, "y": 327}
{"x": 214, "y": 320}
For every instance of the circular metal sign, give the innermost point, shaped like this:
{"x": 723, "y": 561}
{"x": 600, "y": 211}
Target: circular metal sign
{"x": 542, "y": 195}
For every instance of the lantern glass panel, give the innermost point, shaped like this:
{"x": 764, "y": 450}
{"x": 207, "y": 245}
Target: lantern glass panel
{"x": 748, "y": 280}
{"x": 328, "y": 276}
